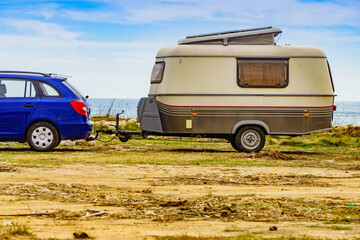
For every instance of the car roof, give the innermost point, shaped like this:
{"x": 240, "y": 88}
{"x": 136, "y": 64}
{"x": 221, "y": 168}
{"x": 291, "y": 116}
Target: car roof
{"x": 31, "y": 75}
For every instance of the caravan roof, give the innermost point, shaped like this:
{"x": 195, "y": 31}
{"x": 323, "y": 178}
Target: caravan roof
{"x": 267, "y": 51}
{"x": 253, "y": 36}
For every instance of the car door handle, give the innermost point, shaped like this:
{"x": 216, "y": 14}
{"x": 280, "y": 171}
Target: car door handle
{"x": 29, "y": 105}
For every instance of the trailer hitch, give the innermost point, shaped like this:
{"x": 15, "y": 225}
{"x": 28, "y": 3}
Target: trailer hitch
{"x": 123, "y": 135}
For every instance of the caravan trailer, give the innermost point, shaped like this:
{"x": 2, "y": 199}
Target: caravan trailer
{"x": 239, "y": 86}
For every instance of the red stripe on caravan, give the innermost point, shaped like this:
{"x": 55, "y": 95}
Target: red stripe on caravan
{"x": 242, "y": 106}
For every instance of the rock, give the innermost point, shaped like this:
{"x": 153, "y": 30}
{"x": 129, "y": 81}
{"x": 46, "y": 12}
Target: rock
{"x": 67, "y": 143}
{"x": 81, "y": 235}
{"x": 273, "y": 228}
{"x": 82, "y": 142}
{"x": 7, "y": 223}
{"x": 225, "y": 213}
{"x": 173, "y": 203}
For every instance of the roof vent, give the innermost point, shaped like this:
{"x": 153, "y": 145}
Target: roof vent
{"x": 252, "y": 36}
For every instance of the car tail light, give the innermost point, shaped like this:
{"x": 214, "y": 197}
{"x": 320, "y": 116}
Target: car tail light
{"x": 334, "y": 107}
{"x": 79, "y": 107}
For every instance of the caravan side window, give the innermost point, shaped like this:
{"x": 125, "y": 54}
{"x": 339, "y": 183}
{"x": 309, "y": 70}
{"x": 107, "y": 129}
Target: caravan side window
{"x": 269, "y": 73}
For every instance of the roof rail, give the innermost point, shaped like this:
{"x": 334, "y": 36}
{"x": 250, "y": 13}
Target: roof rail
{"x": 59, "y": 75}
{"x": 27, "y": 73}
{"x": 251, "y": 36}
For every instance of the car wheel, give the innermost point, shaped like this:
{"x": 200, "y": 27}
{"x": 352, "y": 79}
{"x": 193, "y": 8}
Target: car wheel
{"x": 249, "y": 139}
{"x": 58, "y": 142}
{"x": 42, "y": 136}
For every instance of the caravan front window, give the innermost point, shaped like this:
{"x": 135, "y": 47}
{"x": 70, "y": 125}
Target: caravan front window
{"x": 263, "y": 73}
{"x": 332, "y": 82}
{"x": 157, "y": 72}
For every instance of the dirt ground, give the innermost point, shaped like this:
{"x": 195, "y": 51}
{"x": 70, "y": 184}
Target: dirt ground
{"x": 146, "y": 201}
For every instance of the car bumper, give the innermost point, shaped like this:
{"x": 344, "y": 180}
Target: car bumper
{"x": 76, "y": 131}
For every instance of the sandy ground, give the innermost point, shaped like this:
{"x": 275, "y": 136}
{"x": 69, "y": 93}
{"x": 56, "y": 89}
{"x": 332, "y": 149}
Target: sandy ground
{"x": 144, "y": 201}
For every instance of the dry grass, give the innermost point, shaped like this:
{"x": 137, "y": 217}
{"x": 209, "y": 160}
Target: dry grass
{"x": 246, "y": 236}
{"x": 145, "y": 205}
{"x": 351, "y": 131}
{"x": 336, "y": 150}
{"x": 11, "y": 230}
{"x": 307, "y": 180}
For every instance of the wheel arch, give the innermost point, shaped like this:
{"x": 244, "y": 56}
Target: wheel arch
{"x": 258, "y": 123}
{"x": 42, "y": 120}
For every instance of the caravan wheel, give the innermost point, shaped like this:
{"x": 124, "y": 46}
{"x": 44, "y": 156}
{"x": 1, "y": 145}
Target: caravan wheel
{"x": 249, "y": 139}
{"x": 233, "y": 144}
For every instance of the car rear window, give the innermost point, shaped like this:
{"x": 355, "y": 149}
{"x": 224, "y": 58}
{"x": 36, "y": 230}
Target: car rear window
{"x": 73, "y": 89}
{"x": 48, "y": 90}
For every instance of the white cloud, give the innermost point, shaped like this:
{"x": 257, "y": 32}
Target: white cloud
{"x": 122, "y": 69}
{"x": 47, "y": 11}
{"x": 277, "y": 12}
{"x": 318, "y": 37}
{"x": 44, "y": 29}
{"x": 100, "y": 69}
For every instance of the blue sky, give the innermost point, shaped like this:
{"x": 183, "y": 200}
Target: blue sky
{"x": 109, "y": 46}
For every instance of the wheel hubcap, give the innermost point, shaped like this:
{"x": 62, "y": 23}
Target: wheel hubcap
{"x": 42, "y": 137}
{"x": 250, "y": 139}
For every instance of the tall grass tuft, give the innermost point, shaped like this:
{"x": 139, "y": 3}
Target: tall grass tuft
{"x": 331, "y": 142}
{"x": 125, "y": 124}
{"x": 15, "y": 229}
{"x": 337, "y": 136}
{"x": 294, "y": 142}
{"x": 349, "y": 130}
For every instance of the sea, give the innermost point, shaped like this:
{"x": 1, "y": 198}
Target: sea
{"x": 348, "y": 112}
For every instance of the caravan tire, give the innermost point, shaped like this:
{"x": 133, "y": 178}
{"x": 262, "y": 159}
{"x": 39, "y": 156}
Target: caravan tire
{"x": 233, "y": 144}
{"x": 249, "y": 139}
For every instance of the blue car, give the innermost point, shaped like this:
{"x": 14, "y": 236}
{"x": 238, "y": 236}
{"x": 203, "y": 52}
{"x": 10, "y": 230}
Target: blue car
{"x": 41, "y": 109}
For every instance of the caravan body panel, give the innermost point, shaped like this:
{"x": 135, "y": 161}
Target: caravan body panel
{"x": 200, "y": 85}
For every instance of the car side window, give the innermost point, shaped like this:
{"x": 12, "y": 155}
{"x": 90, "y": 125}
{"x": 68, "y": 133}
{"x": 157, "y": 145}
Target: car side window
{"x": 12, "y": 88}
{"x": 30, "y": 91}
{"x": 48, "y": 90}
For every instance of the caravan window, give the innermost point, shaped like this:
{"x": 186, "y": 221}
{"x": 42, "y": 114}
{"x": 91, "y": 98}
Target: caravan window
{"x": 332, "y": 82}
{"x": 263, "y": 73}
{"x": 157, "y": 72}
